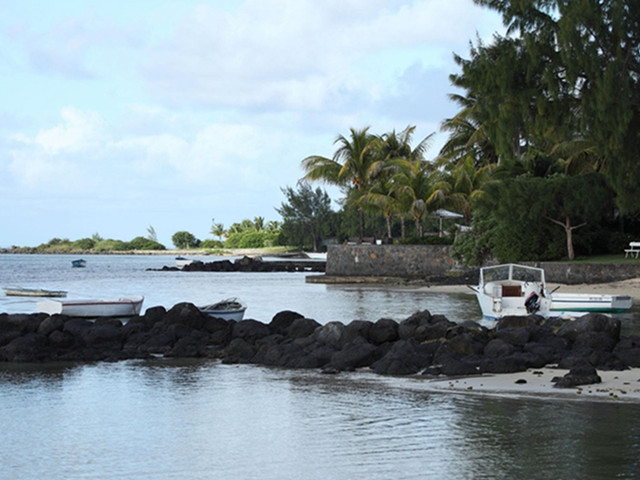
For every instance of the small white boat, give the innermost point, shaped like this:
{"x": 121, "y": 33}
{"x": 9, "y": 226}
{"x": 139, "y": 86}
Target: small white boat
{"x": 590, "y": 302}
{"x": 512, "y": 289}
{"x": 107, "y": 307}
{"x": 182, "y": 261}
{"x": 229, "y": 309}
{"x": 32, "y": 292}
{"x": 316, "y": 255}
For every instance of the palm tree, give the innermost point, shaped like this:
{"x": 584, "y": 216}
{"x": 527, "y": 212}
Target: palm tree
{"x": 258, "y": 223}
{"x": 414, "y": 183}
{"x": 390, "y": 147}
{"x": 468, "y": 135}
{"x": 218, "y": 230}
{"x": 382, "y": 196}
{"x": 350, "y": 166}
{"x": 461, "y": 183}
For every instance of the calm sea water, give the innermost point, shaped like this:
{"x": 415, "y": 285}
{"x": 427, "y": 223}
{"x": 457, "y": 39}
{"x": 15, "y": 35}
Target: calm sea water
{"x": 199, "y": 419}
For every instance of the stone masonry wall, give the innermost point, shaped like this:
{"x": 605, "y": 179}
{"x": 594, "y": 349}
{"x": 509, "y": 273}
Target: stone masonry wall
{"x": 408, "y": 261}
{"x": 420, "y": 261}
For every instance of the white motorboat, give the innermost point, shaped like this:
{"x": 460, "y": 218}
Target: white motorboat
{"x": 32, "y": 292}
{"x": 91, "y": 308}
{"x": 590, "y": 302}
{"x": 512, "y": 289}
{"x": 183, "y": 261}
{"x": 229, "y": 309}
{"x": 316, "y": 255}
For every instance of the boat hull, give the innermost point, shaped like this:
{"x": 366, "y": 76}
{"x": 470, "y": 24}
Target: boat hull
{"x": 33, "y": 292}
{"x": 235, "y": 315}
{"x": 586, "y": 303}
{"x": 116, "y": 307}
{"x": 183, "y": 262}
{"x": 229, "y": 309}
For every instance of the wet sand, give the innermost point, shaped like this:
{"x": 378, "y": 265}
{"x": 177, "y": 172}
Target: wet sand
{"x": 616, "y": 386}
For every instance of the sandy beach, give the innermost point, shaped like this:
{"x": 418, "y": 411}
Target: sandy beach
{"x": 616, "y": 386}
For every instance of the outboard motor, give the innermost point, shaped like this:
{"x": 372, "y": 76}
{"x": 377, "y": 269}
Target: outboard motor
{"x": 532, "y": 303}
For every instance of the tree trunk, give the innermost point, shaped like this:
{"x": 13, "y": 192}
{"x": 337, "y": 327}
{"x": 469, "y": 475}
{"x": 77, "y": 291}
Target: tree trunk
{"x": 388, "y": 218}
{"x": 418, "y": 228}
{"x": 569, "y": 232}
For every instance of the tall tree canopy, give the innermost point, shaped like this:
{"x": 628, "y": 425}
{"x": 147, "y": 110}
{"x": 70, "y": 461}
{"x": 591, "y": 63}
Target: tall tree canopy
{"x": 584, "y": 56}
{"x": 306, "y": 214}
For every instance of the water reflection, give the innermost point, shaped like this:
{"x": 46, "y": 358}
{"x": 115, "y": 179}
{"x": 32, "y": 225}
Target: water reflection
{"x": 166, "y": 419}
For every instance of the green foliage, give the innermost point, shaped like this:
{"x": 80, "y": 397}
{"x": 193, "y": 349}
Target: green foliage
{"x": 211, "y": 244}
{"x": 576, "y": 66}
{"x": 514, "y": 219}
{"x": 306, "y": 216}
{"x": 471, "y": 249}
{"x": 252, "y": 240}
{"x": 142, "y": 243}
{"x": 110, "y": 245}
{"x": 183, "y": 239}
{"x": 83, "y": 244}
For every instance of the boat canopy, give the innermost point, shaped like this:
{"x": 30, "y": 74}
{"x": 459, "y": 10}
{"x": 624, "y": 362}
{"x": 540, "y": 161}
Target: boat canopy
{"x": 511, "y": 271}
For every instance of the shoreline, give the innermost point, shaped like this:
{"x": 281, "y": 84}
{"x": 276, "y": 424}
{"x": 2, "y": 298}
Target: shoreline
{"x": 616, "y": 386}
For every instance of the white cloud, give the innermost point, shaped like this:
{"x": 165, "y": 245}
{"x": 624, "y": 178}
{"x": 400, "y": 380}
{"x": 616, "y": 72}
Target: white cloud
{"x": 300, "y": 54}
{"x": 80, "y": 130}
{"x": 207, "y": 111}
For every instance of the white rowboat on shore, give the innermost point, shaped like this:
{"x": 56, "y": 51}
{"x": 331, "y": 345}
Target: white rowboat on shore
{"x": 91, "y": 308}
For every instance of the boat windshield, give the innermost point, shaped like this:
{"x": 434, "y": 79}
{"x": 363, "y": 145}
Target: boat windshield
{"x": 519, "y": 273}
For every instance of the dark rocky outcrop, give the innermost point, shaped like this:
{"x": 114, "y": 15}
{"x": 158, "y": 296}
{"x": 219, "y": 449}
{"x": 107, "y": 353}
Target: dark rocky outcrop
{"x": 423, "y": 343}
{"x": 584, "y": 374}
{"x": 251, "y": 264}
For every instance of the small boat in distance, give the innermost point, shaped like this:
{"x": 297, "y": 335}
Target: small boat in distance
{"x": 79, "y": 263}
{"x": 512, "y": 289}
{"x": 32, "y": 292}
{"x": 183, "y": 261}
{"x": 229, "y": 309}
{"x": 92, "y": 308}
{"x": 316, "y": 255}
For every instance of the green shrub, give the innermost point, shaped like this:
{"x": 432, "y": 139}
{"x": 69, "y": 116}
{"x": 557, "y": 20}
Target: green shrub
{"x": 83, "y": 244}
{"x": 210, "y": 243}
{"x": 110, "y": 245}
{"x": 251, "y": 240}
{"x": 142, "y": 243}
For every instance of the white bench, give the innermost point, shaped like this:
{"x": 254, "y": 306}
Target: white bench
{"x": 634, "y": 249}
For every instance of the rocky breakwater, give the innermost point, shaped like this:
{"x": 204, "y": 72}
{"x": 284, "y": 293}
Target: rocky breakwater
{"x": 251, "y": 264}
{"x": 423, "y": 344}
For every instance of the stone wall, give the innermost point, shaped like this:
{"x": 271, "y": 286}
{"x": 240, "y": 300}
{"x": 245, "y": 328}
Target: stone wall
{"x": 577, "y": 273}
{"x": 423, "y": 261}
{"x": 407, "y": 261}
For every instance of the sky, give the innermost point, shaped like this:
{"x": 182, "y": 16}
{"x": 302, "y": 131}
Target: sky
{"x": 119, "y": 116}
